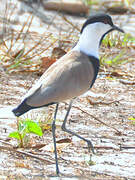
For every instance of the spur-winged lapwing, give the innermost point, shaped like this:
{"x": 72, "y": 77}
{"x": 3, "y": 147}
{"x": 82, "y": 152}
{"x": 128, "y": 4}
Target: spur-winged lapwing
{"x": 72, "y": 75}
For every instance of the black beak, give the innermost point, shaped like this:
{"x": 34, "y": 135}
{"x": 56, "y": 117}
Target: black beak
{"x": 117, "y": 28}
{"x": 114, "y": 27}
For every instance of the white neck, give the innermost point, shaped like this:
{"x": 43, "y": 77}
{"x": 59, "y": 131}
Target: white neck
{"x": 90, "y": 39}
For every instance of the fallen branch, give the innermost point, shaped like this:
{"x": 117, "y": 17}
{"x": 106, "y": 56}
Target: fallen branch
{"x": 101, "y": 102}
{"x": 4, "y": 142}
{"x": 26, "y": 154}
{"x": 126, "y": 82}
{"x": 127, "y": 147}
{"x": 106, "y": 147}
{"x": 118, "y": 132}
{"x": 66, "y": 6}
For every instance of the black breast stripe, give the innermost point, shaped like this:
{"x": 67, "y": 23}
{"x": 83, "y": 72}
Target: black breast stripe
{"x": 95, "y": 63}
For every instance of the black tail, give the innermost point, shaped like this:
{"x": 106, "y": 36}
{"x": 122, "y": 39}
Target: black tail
{"x": 24, "y": 107}
{"x": 21, "y": 109}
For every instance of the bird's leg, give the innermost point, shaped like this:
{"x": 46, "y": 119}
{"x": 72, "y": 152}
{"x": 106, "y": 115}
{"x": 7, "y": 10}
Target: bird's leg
{"x": 90, "y": 146}
{"x": 54, "y": 139}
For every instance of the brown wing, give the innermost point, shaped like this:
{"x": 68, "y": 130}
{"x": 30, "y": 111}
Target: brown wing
{"x": 69, "y": 77}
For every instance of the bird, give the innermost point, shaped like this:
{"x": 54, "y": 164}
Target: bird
{"x": 70, "y": 76}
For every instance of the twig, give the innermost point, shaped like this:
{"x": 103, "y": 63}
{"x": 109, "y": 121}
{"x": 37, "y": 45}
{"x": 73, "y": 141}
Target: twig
{"x": 29, "y": 25}
{"x": 4, "y": 142}
{"x": 26, "y": 154}
{"x": 11, "y": 42}
{"x": 36, "y": 45}
{"x": 106, "y": 147}
{"x": 101, "y": 102}
{"x": 22, "y": 29}
{"x": 127, "y": 82}
{"x": 118, "y": 132}
{"x": 69, "y": 22}
{"x": 127, "y": 147}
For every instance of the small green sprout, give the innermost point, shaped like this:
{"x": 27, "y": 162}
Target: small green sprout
{"x": 25, "y": 127}
{"x": 132, "y": 119}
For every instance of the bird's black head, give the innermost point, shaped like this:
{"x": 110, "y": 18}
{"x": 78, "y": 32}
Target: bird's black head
{"x": 102, "y": 24}
{"x": 101, "y": 18}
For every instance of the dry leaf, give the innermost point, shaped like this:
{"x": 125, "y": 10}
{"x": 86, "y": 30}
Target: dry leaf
{"x": 116, "y": 74}
{"x": 38, "y": 146}
{"x": 21, "y": 165}
{"x": 47, "y": 62}
{"x": 57, "y": 53}
{"x": 61, "y": 144}
{"x": 66, "y": 140}
{"x": 46, "y": 127}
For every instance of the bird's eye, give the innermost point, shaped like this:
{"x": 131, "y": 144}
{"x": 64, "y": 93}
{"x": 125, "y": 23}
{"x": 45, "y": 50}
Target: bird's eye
{"x": 105, "y": 21}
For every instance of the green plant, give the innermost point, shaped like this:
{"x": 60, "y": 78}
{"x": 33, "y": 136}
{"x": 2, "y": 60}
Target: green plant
{"x": 91, "y": 2}
{"x": 126, "y": 3}
{"x": 113, "y": 57}
{"x": 132, "y": 119}
{"x": 90, "y": 162}
{"x": 25, "y": 127}
{"x": 116, "y": 40}
{"x": 109, "y": 41}
{"x": 118, "y": 59}
{"x": 128, "y": 40}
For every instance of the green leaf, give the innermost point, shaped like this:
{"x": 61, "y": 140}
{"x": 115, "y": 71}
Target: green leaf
{"x": 131, "y": 118}
{"x": 126, "y": 2}
{"x": 109, "y": 62}
{"x": 23, "y": 128}
{"x": 33, "y": 127}
{"x": 15, "y": 135}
